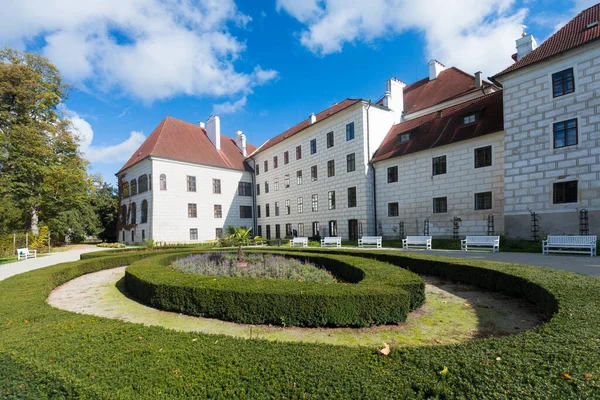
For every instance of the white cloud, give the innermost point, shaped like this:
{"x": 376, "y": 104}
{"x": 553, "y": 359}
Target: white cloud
{"x": 150, "y": 49}
{"x": 470, "y": 34}
{"x": 104, "y": 154}
{"x": 229, "y": 107}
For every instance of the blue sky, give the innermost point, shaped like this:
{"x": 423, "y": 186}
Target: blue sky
{"x": 262, "y": 66}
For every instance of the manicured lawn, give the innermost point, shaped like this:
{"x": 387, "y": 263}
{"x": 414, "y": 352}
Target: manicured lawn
{"x": 7, "y": 259}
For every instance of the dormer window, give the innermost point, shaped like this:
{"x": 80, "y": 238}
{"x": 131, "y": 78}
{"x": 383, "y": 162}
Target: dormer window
{"x": 469, "y": 119}
{"x": 405, "y": 137}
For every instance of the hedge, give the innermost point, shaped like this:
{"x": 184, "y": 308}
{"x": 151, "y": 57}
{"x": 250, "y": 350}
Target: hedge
{"x": 49, "y": 353}
{"x": 376, "y": 293}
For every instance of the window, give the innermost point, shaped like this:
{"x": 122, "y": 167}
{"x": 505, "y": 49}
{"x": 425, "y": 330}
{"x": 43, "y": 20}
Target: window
{"x": 268, "y": 232}
{"x": 143, "y": 235}
{"x": 313, "y": 146}
{"x": 218, "y": 211}
{"x": 315, "y": 202}
{"x": 483, "y": 157}
{"x": 483, "y": 201}
{"x": 163, "y": 182}
{"x": 440, "y": 205}
{"x": 350, "y": 163}
{"x": 332, "y": 228}
{"x": 286, "y": 157}
{"x": 288, "y": 230}
{"x": 330, "y": 168}
{"x": 123, "y": 215}
{"x": 244, "y": 189}
{"x": 258, "y": 189}
{"x": 565, "y": 192}
{"x": 144, "y": 212}
{"x": 191, "y": 183}
{"x": 352, "y": 197}
{"x": 133, "y": 212}
{"x": 194, "y": 234}
{"x": 329, "y": 139}
{"x": 288, "y": 208}
{"x": 125, "y": 191}
{"x": 132, "y": 235}
{"x": 276, "y": 183}
{"x": 469, "y": 119}
{"x": 315, "y": 228}
{"x": 331, "y": 200}
{"x": 257, "y": 169}
{"x": 258, "y": 213}
{"x": 286, "y": 181}
{"x": 300, "y": 206}
{"x": 439, "y": 165}
{"x": 298, "y": 152}
{"x": 267, "y": 210}
{"x": 245, "y": 211}
{"x": 350, "y": 131}
{"x": 192, "y": 210}
{"x": 216, "y": 186}
{"x": 143, "y": 183}
{"x": 277, "y": 209}
{"x": 300, "y": 229}
{"x": 563, "y": 82}
{"x": 133, "y": 187}
{"x": 218, "y": 233}
{"x": 393, "y": 209}
{"x": 275, "y": 162}
{"x": 266, "y": 165}
{"x": 392, "y": 173}
{"x": 565, "y": 133}
{"x": 313, "y": 173}
{"x": 149, "y": 181}
{"x": 259, "y": 231}
{"x": 299, "y": 177}
{"x": 405, "y": 137}
{"x": 277, "y": 231}
{"x": 266, "y": 186}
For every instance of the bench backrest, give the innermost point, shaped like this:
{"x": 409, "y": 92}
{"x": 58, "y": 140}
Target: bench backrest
{"x": 371, "y": 239}
{"x": 482, "y": 239}
{"x": 573, "y": 240}
{"x": 332, "y": 239}
{"x": 23, "y": 251}
{"x": 300, "y": 239}
{"x": 418, "y": 239}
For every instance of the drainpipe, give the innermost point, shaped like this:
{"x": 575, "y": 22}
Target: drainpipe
{"x": 254, "y": 200}
{"x": 373, "y": 167}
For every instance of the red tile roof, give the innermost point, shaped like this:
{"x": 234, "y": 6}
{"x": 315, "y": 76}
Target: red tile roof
{"x": 431, "y": 130}
{"x": 449, "y": 84}
{"x": 574, "y": 34}
{"x": 179, "y": 140}
{"x": 304, "y": 124}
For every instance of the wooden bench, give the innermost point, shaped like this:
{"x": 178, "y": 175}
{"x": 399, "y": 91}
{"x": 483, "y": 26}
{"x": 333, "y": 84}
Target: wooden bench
{"x": 570, "y": 244}
{"x": 485, "y": 242}
{"x": 24, "y": 254}
{"x": 299, "y": 241}
{"x": 370, "y": 241}
{"x": 419, "y": 242}
{"x": 330, "y": 241}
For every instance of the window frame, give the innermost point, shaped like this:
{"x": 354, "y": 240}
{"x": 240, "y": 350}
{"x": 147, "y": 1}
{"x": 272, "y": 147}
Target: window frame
{"x": 193, "y": 232}
{"x": 314, "y": 173}
{"x": 330, "y": 139}
{"x": 191, "y": 183}
{"x": 330, "y": 168}
{"x": 218, "y": 211}
{"x": 392, "y": 174}
{"x": 479, "y": 207}
{"x": 480, "y": 163}
{"x": 436, "y": 165}
{"x": 299, "y": 177}
{"x": 216, "y": 186}
{"x": 313, "y": 146}
{"x": 275, "y": 162}
{"x": 352, "y": 201}
{"x": 437, "y": 203}
{"x": 315, "y": 203}
{"x": 299, "y": 152}
{"x": 350, "y": 134}
{"x": 192, "y": 210}
{"x": 244, "y": 212}
{"x": 286, "y": 157}
{"x": 565, "y": 129}
{"x": 393, "y": 209}
{"x": 300, "y": 205}
{"x": 563, "y": 82}
{"x": 566, "y": 199}
{"x": 351, "y": 162}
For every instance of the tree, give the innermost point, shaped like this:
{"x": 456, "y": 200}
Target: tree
{"x": 106, "y": 206}
{"x": 239, "y": 237}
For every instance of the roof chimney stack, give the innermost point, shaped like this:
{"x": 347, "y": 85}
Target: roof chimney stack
{"x": 213, "y": 130}
{"x": 202, "y": 125}
{"x": 525, "y": 45}
{"x": 240, "y": 140}
{"x": 478, "y": 80}
{"x": 435, "y": 67}
{"x": 312, "y": 118}
{"x": 394, "y": 98}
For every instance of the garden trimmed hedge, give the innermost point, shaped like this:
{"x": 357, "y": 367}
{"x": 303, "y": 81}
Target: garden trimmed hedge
{"x": 50, "y": 353}
{"x": 376, "y": 293}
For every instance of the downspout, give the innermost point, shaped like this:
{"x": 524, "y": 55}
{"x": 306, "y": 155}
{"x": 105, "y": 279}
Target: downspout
{"x": 373, "y": 167}
{"x": 254, "y": 216}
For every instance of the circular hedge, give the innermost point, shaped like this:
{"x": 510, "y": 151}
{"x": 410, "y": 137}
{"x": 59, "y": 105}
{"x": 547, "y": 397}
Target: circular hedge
{"x": 50, "y": 353}
{"x": 376, "y": 293}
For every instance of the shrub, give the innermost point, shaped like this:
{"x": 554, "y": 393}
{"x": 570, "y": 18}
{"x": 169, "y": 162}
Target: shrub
{"x": 115, "y": 245}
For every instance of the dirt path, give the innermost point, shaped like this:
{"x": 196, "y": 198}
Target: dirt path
{"x": 453, "y": 313}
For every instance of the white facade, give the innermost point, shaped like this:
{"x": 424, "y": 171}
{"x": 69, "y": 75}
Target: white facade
{"x": 534, "y": 164}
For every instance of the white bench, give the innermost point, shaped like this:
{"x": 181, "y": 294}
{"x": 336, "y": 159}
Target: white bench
{"x": 370, "y": 241}
{"x": 24, "y": 254}
{"x": 330, "y": 241}
{"x": 299, "y": 241}
{"x": 419, "y": 242}
{"x": 489, "y": 242}
{"x": 570, "y": 244}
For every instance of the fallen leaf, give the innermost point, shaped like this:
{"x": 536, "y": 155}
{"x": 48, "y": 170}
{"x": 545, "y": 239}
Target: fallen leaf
{"x": 140, "y": 338}
{"x": 386, "y": 350}
{"x": 194, "y": 339}
{"x": 331, "y": 334}
{"x": 587, "y": 375}
{"x": 565, "y": 376}
{"x": 444, "y": 371}
{"x": 216, "y": 341}
{"x": 498, "y": 358}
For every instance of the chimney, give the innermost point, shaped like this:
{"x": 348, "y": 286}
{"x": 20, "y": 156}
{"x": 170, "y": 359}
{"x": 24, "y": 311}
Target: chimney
{"x": 394, "y": 98}
{"x": 202, "y": 125}
{"x": 478, "y": 80}
{"x": 213, "y": 130}
{"x": 435, "y": 67}
{"x": 525, "y": 45}
{"x": 240, "y": 140}
{"x": 312, "y": 118}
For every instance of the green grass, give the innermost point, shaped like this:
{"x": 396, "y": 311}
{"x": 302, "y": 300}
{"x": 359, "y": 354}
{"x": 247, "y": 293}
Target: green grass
{"x": 7, "y": 259}
{"x": 49, "y": 353}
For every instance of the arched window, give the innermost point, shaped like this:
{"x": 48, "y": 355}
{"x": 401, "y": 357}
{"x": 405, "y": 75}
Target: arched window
{"x": 133, "y": 187}
{"x": 133, "y": 212}
{"x": 143, "y": 180}
{"x": 125, "y": 192}
{"x": 163, "y": 182}
{"x": 144, "y": 211}
{"x": 123, "y": 215}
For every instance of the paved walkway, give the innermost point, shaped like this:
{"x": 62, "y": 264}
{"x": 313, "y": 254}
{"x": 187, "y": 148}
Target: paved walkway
{"x": 18, "y": 267}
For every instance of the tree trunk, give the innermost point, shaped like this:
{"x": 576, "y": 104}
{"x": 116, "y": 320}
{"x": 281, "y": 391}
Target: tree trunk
{"x": 240, "y": 254}
{"x": 34, "y": 221}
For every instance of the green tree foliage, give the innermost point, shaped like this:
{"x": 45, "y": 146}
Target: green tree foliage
{"x": 105, "y": 202}
{"x": 239, "y": 236}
